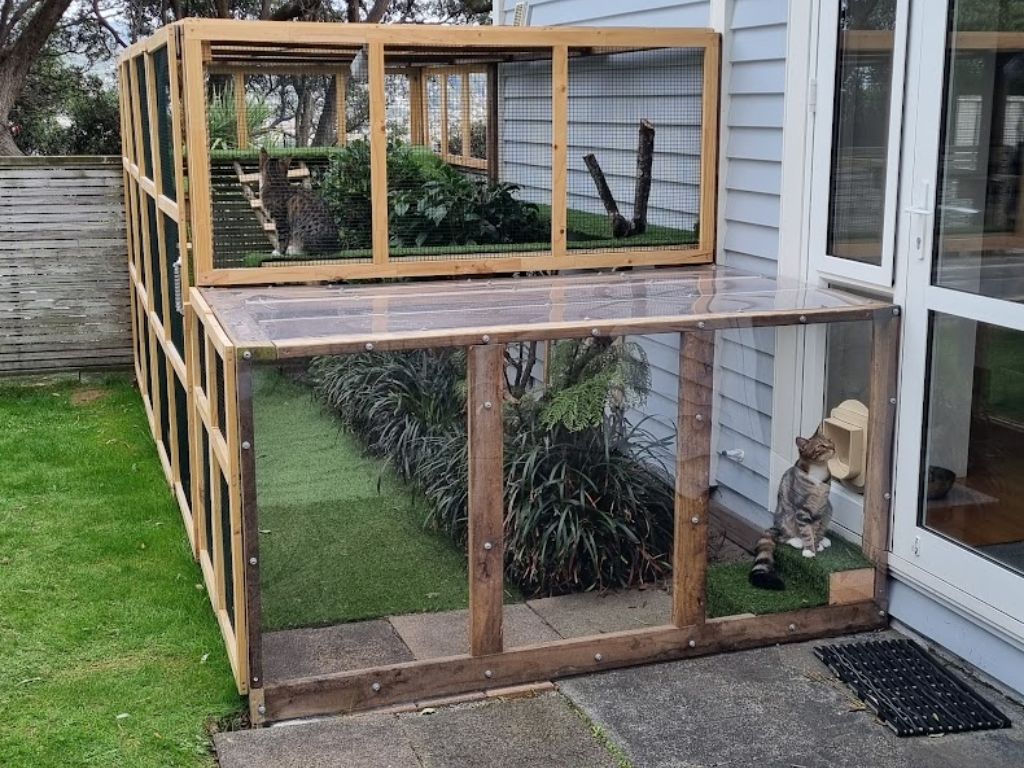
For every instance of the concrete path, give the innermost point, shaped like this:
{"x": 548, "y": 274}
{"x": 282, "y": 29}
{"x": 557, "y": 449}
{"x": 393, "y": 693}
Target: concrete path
{"x": 771, "y": 708}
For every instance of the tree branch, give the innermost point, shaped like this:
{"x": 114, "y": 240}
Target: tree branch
{"x": 106, "y": 24}
{"x": 376, "y": 13}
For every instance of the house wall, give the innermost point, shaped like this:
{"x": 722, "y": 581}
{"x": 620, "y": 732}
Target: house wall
{"x": 753, "y": 85}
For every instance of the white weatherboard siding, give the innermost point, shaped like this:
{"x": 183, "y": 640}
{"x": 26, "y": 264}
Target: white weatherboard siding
{"x": 752, "y": 150}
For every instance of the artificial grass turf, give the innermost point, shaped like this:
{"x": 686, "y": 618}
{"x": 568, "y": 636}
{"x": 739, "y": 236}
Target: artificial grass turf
{"x": 109, "y": 651}
{"x": 342, "y": 538}
{"x": 730, "y": 593}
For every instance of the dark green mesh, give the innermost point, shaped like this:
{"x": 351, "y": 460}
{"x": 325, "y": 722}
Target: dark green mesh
{"x": 157, "y": 278}
{"x": 206, "y": 470}
{"x": 221, "y": 420}
{"x": 177, "y": 320}
{"x": 181, "y": 420}
{"x": 165, "y": 406}
{"x": 163, "y": 121}
{"x": 142, "y": 106}
{"x": 225, "y": 535}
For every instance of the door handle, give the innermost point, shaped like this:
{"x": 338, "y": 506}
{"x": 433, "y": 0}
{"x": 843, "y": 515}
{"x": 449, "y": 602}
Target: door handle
{"x": 921, "y": 219}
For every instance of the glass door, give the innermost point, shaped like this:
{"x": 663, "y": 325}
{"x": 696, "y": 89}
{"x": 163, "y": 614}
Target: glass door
{"x": 959, "y": 500}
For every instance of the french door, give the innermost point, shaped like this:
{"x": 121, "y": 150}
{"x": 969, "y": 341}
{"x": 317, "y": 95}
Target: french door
{"x": 959, "y": 496}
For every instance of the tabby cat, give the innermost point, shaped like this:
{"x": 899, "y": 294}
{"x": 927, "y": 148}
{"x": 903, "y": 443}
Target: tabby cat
{"x": 303, "y": 221}
{"x": 802, "y": 513}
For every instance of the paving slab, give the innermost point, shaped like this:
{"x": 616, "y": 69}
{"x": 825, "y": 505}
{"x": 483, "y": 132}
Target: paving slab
{"x": 540, "y": 732}
{"x": 435, "y": 635}
{"x": 769, "y": 707}
{"x": 595, "y": 613}
{"x": 292, "y": 653}
{"x": 341, "y": 742}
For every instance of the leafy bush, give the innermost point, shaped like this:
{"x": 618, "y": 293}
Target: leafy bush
{"x": 429, "y": 202}
{"x": 222, "y": 119}
{"x": 588, "y": 504}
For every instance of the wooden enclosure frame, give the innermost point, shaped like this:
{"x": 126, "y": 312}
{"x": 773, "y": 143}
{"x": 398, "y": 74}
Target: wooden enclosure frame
{"x": 232, "y": 48}
{"x": 857, "y": 599}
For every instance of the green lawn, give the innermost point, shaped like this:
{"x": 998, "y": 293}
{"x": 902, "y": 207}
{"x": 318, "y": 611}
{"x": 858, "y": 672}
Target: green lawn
{"x": 109, "y": 653}
{"x": 342, "y": 538}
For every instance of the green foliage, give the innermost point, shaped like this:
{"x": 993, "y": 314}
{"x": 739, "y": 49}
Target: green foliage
{"x": 222, "y": 119}
{"x": 429, "y": 202}
{"x": 63, "y": 111}
{"x": 588, "y": 504}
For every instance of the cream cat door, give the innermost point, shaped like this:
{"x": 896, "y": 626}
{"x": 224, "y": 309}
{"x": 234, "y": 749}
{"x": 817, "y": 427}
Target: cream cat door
{"x": 959, "y": 501}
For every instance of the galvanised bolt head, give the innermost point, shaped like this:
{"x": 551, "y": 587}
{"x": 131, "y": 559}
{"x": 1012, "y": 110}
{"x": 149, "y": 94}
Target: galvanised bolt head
{"x": 896, "y": 311}
{"x": 699, "y": 417}
{"x": 261, "y": 709}
{"x": 488, "y": 546}
{"x": 369, "y": 346}
{"x": 594, "y": 332}
{"x": 252, "y": 561}
{"x": 892, "y": 401}
{"x": 375, "y": 687}
{"x": 694, "y": 519}
{"x": 803, "y": 318}
{"x": 792, "y": 627}
{"x": 598, "y": 657}
{"x": 255, "y": 678}
{"x": 488, "y": 674}
{"x": 246, "y": 445}
{"x": 488, "y": 405}
{"x": 881, "y": 613}
{"x": 701, "y": 324}
{"x": 247, "y": 355}
{"x": 486, "y": 339}
{"x": 886, "y": 495}
{"x": 692, "y": 643}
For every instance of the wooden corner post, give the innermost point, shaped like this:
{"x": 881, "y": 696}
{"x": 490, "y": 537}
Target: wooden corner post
{"x": 693, "y": 478}
{"x": 885, "y": 352}
{"x": 485, "y": 376}
{"x": 378, "y": 154}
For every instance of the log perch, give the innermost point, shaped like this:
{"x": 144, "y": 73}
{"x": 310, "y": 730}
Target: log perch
{"x": 644, "y": 164}
{"x": 621, "y": 227}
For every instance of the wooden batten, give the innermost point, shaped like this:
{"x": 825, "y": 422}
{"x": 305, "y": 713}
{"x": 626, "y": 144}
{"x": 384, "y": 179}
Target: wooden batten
{"x": 693, "y": 478}
{"x": 378, "y": 155}
{"x": 849, "y": 587}
{"x": 485, "y": 390}
{"x": 559, "y": 150}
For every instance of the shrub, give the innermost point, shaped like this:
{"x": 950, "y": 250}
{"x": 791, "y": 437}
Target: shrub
{"x": 588, "y": 504}
{"x": 429, "y": 202}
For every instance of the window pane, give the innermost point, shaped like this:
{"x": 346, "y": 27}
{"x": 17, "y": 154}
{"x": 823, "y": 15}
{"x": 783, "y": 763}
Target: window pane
{"x": 973, "y": 469}
{"x": 979, "y": 243}
{"x": 860, "y": 130}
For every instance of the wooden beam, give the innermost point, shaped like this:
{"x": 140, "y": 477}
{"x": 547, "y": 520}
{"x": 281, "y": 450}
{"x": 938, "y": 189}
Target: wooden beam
{"x": 241, "y": 111}
{"x": 485, "y": 377}
{"x": 467, "y": 123}
{"x": 884, "y": 371}
{"x": 378, "y": 155}
{"x": 199, "y": 198}
{"x": 493, "y": 169}
{"x": 252, "y": 591}
{"x": 709, "y": 145}
{"x": 341, "y": 105}
{"x": 693, "y": 478}
{"x": 559, "y": 149}
{"x": 443, "y": 77}
{"x": 418, "y": 680}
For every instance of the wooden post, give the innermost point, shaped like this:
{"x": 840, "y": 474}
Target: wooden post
{"x": 693, "y": 470}
{"x": 241, "y": 111}
{"x": 620, "y": 225}
{"x": 644, "y": 167}
{"x": 492, "y": 122}
{"x": 200, "y": 202}
{"x": 341, "y": 105}
{"x": 467, "y": 122}
{"x": 443, "y": 79}
{"x": 485, "y": 376}
{"x": 250, "y": 636}
{"x": 709, "y": 145}
{"x": 885, "y": 351}
{"x": 378, "y": 154}
{"x": 559, "y": 148}
{"x": 415, "y": 77}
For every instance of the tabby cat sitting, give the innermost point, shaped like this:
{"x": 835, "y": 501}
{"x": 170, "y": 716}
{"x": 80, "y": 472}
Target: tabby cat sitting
{"x": 803, "y": 511}
{"x": 303, "y": 221}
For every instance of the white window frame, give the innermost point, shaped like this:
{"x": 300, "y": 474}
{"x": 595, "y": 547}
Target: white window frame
{"x": 826, "y": 265}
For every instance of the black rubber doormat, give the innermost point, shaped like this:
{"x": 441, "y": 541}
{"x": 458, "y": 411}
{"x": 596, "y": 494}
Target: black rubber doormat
{"x": 908, "y": 690}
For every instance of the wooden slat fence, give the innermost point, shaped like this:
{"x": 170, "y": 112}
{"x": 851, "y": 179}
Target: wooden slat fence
{"x": 64, "y": 299}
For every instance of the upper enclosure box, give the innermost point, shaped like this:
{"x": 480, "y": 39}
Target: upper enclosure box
{"x": 315, "y": 151}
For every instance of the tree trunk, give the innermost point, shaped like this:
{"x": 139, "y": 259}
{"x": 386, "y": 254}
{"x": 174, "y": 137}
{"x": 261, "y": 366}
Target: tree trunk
{"x": 620, "y": 225}
{"x": 17, "y": 60}
{"x": 327, "y": 129}
{"x": 644, "y": 164}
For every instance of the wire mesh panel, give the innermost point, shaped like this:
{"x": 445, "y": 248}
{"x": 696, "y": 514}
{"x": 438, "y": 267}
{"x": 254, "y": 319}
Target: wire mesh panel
{"x": 635, "y": 150}
{"x": 164, "y": 118}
